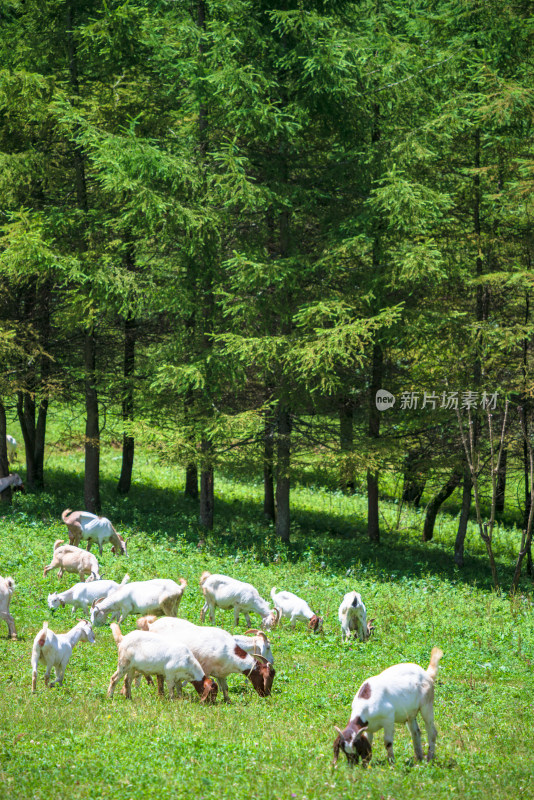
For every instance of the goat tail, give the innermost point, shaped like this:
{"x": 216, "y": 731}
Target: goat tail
{"x": 183, "y": 583}
{"x": 58, "y": 543}
{"x": 65, "y": 514}
{"x": 125, "y": 579}
{"x": 116, "y": 631}
{"x": 42, "y": 638}
{"x": 10, "y": 583}
{"x": 435, "y": 656}
{"x": 273, "y": 592}
{"x": 204, "y": 577}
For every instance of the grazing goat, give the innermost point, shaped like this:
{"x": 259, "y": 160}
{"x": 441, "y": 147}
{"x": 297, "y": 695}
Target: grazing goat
{"x": 7, "y": 586}
{"x": 55, "y": 650}
{"x": 153, "y": 654}
{"x": 217, "y": 652}
{"x": 396, "y": 695}
{"x": 83, "y": 595}
{"x": 73, "y": 559}
{"x": 296, "y": 609}
{"x": 223, "y": 592}
{"x": 11, "y": 444}
{"x": 84, "y": 525}
{"x": 352, "y": 615}
{"x": 157, "y": 596}
{"x": 14, "y": 480}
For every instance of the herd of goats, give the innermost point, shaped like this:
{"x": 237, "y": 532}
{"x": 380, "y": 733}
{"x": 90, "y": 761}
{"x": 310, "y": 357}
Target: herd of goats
{"x": 177, "y": 651}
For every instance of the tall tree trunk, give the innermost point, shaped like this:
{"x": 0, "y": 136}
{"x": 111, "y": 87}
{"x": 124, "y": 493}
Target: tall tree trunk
{"x": 268, "y": 467}
{"x": 36, "y": 311}
{"x": 346, "y": 442}
{"x": 464, "y": 517}
{"x": 206, "y": 485}
{"x": 373, "y": 521}
{"x": 5, "y": 496}
{"x": 128, "y": 441}
{"x": 91, "y": 488}
{"x": 283, "y": 461}
{"x": 436, "y": 503}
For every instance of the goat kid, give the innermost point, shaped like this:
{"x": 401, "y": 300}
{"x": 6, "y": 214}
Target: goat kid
{"x": 217, "y": 652}
{"x": 82, "y": 595}
{"x": 55, "y": 650}
{"x": 73, "y": 559}
{"x": 7, "y": 587}
{"x": 152, "y": 654}
{"x": 352, "y": 616}
{"x": 90, "y": 527}
{"x": 157, "y": 596}
{"x": 221, "y": 591}
{"x": 396, "y": 695}
{"x": 296, "y": 609}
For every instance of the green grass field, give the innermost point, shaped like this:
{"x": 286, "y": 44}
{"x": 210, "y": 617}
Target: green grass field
{"x": 74, "y": 742}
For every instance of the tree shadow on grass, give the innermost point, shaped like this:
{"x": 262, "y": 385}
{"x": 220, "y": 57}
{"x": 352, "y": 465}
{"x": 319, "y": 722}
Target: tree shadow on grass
{"x": 327, "y": 541}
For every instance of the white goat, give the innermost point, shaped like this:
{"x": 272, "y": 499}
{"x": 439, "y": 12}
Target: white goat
{"x": 82, "y": 595}
{"x": 223, "y": 592}
{"x": 296, "y": 609}
{"x": 217, "y": 652}
{"x": 73, "y": 559}
{"x": 11, "y": 444}
{"x": 157, "y": 596}
{"x": 84, "y": 525}
{"x": 7, "y": 586}
{"x": 14, "y": 480}
{"x": 55, "y": 650}
{"x": 396, "y": 695}
{"x": 168, "y": 658}
{"x": 352, "y": 615}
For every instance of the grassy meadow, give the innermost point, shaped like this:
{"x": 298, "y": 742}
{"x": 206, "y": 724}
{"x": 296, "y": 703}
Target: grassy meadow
{"x": 74, "y": 742}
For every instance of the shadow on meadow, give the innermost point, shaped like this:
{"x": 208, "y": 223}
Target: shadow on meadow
{"x": 326, "y": 541}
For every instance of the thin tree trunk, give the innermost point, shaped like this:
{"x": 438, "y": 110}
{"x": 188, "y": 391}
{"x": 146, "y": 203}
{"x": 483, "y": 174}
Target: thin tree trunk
{"x": 436, "y": 503}
{"x": 5, "y": 496}
{"x": 268, "y": 469}
{"x": 92, "y": 430}
{"x": 464, "y": 517}
{"x": 128, "y": 441}
{"x": 501, "y": 483}
{"x": 346, "y": 442}
{"x": 206, "y": 485}
{"x": 373, "y": 522}
{"x": 283, "y": 461}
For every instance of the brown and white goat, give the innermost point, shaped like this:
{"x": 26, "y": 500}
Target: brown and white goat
{"x": 92, "y": 528}
{"x": 396, "y": 695}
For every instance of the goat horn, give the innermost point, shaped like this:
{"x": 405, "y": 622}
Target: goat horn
{"x": 340, "y": 732}
{"x": 254, "y": 631}
{"x": 260, "y": 658}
